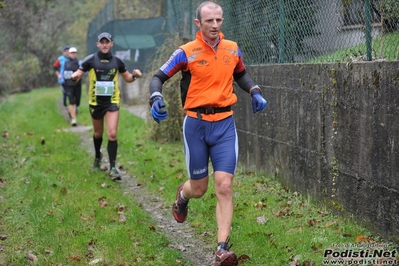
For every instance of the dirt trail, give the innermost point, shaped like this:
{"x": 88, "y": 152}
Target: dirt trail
{"x": 181, "y": 236}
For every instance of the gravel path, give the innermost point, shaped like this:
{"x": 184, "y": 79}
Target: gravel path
{"x": 181, "y": 236}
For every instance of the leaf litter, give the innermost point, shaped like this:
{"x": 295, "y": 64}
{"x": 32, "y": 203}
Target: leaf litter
{"x": 181, "y": 236}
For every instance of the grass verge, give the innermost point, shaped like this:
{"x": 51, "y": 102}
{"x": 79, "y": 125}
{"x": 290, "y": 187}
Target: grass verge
{"x": 55, "y": 210}
{"x": 385, "y": 47}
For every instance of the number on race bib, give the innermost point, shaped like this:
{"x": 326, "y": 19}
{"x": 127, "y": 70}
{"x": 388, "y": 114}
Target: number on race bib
{"x": 104, "y": 88}
{"x": 68, "y": 74}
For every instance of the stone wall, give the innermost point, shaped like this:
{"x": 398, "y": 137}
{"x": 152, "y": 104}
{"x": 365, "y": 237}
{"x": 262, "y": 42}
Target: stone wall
{"x": 331, "y": 131}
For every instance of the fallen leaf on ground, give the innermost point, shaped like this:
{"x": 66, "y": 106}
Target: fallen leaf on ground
{"x": 362, "y": 239}
{"x": 324, "y": 213}
{"x": 261, "y": 219}
{"x": 102, "y": 202}
{"x": 282, "y": 213}
{"x": 329, "y": 224}
{"x": 32, "y": 257}
{"x": 95, "y": 261}
{"x": 312, "y": 222}
{"x": 91, "y": 245}
{"x": 23, "y": 161}
{"x": 260, "y": 205}
{"x": 152, "y": 227}
{"x": 314, "y": 247}
{"x": 48, "y": 251}
{"x": 243, "y": 258}
{"x": 75, "y": 259}
{"x": 297, "y": 261}
{"x": 122, "y": 217}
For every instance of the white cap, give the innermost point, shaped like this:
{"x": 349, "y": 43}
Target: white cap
{"x": 73, "y": 50}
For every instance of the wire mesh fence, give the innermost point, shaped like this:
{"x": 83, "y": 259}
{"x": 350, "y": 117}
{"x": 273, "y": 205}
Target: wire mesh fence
{"x": 285, "y": 31}
{"x": 137, "y": 32}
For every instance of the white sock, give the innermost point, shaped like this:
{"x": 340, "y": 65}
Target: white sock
{"x": 182, "y": 198}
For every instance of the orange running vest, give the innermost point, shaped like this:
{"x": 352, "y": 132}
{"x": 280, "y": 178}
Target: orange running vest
{"x": 211, "y": 83}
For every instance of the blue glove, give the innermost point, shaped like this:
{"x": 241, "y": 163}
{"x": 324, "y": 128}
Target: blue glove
{"x": 156, "y": 108}
{"x": 258, "y": 102}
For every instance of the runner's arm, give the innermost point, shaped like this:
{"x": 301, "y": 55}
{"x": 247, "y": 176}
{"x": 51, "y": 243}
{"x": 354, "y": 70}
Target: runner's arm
{"x": 77, "y": 75}
{"x": 241, "y": 76}
{"x": 157, "y": 81}
{"x": 177, "y": 61}
{"x": 56, "y": 66}
{"x": 85, "y": 66}
{"x": 244, "y": 81}
{"x": 130, "y": 77}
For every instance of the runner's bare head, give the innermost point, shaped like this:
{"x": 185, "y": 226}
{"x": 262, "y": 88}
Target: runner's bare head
{"x": 208, "y": 4}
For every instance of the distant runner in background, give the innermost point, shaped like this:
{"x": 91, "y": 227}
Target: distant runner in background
{"x": 72, "y": 89}
{"x": 104, "y": 96}
{"x": 59, "y": 68}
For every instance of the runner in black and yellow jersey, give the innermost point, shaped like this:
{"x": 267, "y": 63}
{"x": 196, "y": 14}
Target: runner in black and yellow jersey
{"x": 104, "y": 96}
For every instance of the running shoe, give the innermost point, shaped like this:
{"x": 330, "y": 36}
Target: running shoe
{"x": 74, "y": 122}
{"x": 114, "y": 174}
{"x": 96, "y": 164}
{"x": 224, "y": 257}
{"x": 179, "y": 209}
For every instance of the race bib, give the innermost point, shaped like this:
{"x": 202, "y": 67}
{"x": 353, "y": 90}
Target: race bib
{"x": 104, "y": 88}
{"x": 67, "y": 74}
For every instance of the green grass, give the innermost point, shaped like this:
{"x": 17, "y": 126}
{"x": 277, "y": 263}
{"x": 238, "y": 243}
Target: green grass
{"x": 49, "y": 204}
{"x": 386, "y": 47}
{"x": 49, "y": 199}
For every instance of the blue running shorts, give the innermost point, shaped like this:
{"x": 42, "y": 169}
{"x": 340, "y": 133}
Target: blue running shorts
{"x": 215, "y": 140}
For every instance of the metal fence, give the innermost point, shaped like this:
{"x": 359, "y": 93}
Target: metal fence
{"x": 286, "y": 31}
{"x": 137, "y": 34}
